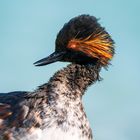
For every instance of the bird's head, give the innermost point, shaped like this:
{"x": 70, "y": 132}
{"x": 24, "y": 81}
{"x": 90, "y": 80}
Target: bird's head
{"x": 82, "y": 40}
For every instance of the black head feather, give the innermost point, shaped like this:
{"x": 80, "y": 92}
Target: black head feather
{"x": 83, "y": 37}
{"x": 82, "y": 40}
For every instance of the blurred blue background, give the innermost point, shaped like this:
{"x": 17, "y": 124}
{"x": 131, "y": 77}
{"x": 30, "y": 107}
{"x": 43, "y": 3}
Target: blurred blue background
{"x": 28, "y": 30}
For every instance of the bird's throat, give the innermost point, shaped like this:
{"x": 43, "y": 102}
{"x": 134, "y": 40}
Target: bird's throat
{"x": 72, "y": 81}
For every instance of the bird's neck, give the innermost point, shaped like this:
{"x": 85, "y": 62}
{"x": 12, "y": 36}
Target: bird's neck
{"x": 72, "y": 81}
{"x": 64, "y": 93}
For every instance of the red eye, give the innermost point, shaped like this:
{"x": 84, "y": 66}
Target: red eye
{"x": 72, "y": 44}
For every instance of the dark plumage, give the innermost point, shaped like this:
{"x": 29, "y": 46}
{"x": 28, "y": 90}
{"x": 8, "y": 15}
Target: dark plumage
{"x": 55, "y": 108}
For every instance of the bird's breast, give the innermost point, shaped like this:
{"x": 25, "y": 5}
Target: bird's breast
{"x": 55, "y": 133}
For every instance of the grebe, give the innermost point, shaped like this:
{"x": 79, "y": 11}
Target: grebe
{"x": 54, "y": 111}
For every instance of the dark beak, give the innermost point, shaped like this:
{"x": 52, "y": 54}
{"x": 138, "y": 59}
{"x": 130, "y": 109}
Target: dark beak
{"x": 56, "y": 56}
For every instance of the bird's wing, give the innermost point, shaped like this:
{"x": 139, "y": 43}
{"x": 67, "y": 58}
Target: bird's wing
{"x": 19, "y": 118}
{"x": 18, "y": 107}
{"x": 9, "y": 109}
{"x": 5, "y": 111}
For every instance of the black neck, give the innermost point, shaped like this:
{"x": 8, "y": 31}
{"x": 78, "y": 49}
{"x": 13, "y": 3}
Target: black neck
{"x": 72, "y": 81}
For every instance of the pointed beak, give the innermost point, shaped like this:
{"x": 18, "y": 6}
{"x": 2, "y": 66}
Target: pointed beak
{"x": 54, "y": 57}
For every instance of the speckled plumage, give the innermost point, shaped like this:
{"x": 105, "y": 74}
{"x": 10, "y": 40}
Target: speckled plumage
{"x": 55, "y": 111}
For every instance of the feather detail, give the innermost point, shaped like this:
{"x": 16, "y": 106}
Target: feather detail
{"x": 5, "y": 111}
{"x": 98, "y": 45}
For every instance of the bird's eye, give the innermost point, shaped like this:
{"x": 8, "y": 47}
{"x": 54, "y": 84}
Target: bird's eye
{"x": 72, "y": 44}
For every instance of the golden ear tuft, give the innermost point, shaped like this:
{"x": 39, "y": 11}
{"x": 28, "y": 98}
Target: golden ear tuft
{"x": 98, "y": 45}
